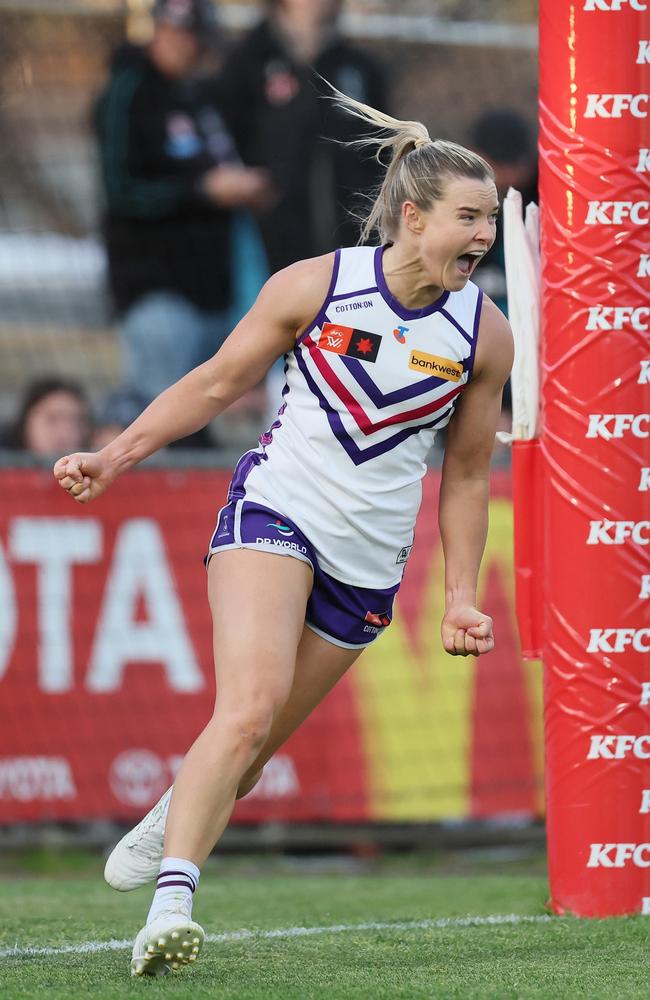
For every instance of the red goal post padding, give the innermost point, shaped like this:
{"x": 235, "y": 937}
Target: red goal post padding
{"x": 595, "y": 215}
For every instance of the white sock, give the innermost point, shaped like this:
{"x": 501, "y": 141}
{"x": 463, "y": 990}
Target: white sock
{"x": 176, "y": 885}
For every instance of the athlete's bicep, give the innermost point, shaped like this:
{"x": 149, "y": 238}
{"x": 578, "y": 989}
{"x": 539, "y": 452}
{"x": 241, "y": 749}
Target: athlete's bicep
{"x": 471, "y": 433}
{"x": 287, "y": 303}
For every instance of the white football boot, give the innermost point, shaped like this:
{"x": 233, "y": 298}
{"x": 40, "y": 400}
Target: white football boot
{"x": 136, "y": 859}
{"x": 169, "y": 942}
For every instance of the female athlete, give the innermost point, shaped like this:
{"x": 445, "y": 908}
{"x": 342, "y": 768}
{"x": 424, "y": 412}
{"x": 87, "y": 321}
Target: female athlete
{"x": 383, "y": 347}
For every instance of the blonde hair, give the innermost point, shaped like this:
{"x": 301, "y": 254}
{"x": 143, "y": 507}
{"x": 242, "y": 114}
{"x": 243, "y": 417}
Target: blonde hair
{"x": 417, "y": 170}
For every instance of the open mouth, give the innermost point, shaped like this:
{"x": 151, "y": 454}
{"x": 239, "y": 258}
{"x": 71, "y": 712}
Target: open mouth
{"x": 468, "y": 261}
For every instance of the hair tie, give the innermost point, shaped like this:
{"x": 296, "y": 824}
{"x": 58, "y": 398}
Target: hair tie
{"x": 421, "y": 142}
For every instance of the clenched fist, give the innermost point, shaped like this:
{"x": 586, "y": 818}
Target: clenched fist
{"x": 466, "y": 631}
{"x": 84, "y": 475}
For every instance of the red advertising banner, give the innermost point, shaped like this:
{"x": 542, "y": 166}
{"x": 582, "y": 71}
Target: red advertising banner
{"x": 106, "y": 671}
{"x": 595, "y": 201}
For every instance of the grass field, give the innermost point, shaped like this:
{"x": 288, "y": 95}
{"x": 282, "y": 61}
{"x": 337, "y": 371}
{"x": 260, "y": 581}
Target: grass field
{"x": 386, "y": 930}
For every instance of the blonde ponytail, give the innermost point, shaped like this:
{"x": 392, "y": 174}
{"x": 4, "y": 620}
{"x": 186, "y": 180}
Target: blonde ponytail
{"x": 417, "y": 169}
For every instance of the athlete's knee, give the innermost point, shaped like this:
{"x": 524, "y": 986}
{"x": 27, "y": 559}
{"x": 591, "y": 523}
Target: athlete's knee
{"x": 248, "y": 782}
{"x": 246, "y": 726}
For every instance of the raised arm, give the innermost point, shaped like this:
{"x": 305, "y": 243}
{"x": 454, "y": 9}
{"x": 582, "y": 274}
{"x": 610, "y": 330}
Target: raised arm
{"x": 286, "y": 305}
{"x": 465, "y": 486}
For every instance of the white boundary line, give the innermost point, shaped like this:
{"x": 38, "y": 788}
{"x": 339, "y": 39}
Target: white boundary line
{"x": 88, "y": 947}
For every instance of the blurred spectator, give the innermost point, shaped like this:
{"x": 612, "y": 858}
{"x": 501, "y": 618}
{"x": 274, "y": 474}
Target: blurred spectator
{"x": 274, "y": 104}
{"x": 503, "y": 137}
{"x": 54, "y": 418}
{"x": 172, "y": 177}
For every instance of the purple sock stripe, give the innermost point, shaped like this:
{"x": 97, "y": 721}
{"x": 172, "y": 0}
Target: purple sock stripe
{"x": 181, "y": 874}
{"x": 175, "y": 871}
{"x": 186, "y": 885}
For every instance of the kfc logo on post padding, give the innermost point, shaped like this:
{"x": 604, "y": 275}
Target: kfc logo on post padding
{"x": 615, "y": 105}
{"x": 614, "y": 213}
{"x": 615, "y": 5}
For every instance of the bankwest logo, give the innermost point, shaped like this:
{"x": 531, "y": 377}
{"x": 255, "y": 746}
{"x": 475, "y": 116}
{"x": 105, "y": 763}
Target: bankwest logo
{"x": 451, "y": 371}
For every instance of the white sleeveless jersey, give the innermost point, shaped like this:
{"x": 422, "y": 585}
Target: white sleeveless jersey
{"x": 367, "y": 387}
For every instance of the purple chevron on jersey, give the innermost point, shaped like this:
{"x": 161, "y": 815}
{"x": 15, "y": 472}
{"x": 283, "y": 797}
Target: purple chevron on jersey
{"x": 358, "y": 455}
{"x": 347, "y": 460}
{"x": 374, "y": 393}
{"x": 381, "y": 399}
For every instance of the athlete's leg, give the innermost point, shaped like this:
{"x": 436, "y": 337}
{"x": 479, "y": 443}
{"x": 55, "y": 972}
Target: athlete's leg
{"x": 258, "y": 602}
{"x": 319, "y": 665}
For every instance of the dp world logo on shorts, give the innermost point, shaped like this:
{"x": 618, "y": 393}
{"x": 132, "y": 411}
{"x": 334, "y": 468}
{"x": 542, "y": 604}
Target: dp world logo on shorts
{"x": 283, "y": 529}
{"x": 137, "y": 777}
